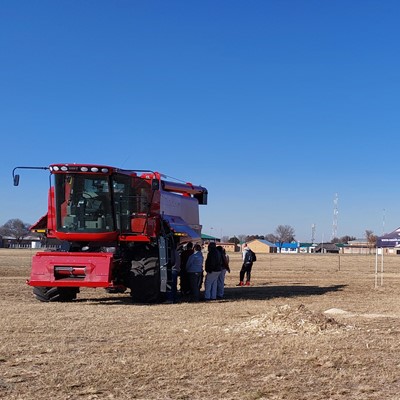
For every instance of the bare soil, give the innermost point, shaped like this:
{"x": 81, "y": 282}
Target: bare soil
{"x": 309, "y": 327}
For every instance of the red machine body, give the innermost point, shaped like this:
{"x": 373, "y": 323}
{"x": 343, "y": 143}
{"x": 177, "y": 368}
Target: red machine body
{"x": 117, "y": 229}
{"x": 76, "y": 269}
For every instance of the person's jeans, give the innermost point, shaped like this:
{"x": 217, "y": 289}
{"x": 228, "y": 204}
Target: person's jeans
{"x": 173, "y": 295}
{"x": 246, "y": 270}
{"x": 221, "y": 284}
{"x": 194, "y": 285}
{"x": 211, "y": 285}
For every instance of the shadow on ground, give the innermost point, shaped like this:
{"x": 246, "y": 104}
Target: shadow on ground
{"x": 236, "y": 293}
{"x": 269, "y": 292}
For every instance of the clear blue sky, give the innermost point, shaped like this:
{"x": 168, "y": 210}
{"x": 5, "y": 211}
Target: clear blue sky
{"x": 274, "y": 106}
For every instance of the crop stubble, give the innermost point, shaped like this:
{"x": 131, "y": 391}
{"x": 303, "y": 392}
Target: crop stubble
{"x": 310, "y": 327}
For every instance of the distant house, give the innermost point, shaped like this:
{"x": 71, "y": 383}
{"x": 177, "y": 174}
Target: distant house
{"x": 262, "y": 246}
{"x": 307, "y": 247}
{"x": 327, "y": 248}
{"x": 29, "y": 242}
{"x": 288, "y": 248}
{"x": 358, "y": 246}
{"x": 229, "y": 247}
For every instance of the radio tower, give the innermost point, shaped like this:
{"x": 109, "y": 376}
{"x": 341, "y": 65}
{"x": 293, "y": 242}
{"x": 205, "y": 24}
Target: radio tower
{"x": 335, "y": 216}
{"x": 313, "y": 233}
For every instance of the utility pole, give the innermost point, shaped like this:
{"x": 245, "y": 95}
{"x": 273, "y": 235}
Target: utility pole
{"x": 335, "y": 216}
{"x": 312, "y": 233}
{"x": 383, "y": 221}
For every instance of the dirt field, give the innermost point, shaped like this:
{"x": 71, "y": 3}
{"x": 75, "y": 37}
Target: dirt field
{"x": 310, "y": 327}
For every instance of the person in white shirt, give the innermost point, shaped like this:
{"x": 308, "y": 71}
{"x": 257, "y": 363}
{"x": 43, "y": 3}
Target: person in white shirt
{"x": 246, "y": 266}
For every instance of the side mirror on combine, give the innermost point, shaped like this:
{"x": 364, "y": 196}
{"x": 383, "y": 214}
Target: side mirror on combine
{"x": 16, "y": 176}
{"x": 16, "y": 180}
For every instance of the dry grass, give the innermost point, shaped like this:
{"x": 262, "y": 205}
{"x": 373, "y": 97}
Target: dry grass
{"x": 269, "y": 341}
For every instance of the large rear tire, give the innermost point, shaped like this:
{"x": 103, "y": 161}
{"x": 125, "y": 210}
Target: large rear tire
{"x": 47, "y": 294}
{"x": 145, "y": 279}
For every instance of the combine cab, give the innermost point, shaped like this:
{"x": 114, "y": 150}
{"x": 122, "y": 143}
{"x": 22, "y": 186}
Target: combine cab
{"x": 117, "y": 228}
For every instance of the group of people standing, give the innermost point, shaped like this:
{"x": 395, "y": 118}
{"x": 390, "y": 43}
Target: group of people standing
{"x": 216, "y": 266}
{"x": 188, "y": 265}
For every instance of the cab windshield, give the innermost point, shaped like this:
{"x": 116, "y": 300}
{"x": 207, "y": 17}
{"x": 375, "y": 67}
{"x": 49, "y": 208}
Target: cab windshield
{"x": 83, "y": 203}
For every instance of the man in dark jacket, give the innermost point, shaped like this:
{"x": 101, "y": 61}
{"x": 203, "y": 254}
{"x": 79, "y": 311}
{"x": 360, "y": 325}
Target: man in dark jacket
{"x": 185, "y": 288}
{"x": 213, "y": 266}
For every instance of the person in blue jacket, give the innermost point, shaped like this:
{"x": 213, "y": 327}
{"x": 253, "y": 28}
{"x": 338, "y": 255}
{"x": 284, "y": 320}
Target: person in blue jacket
{"x": 194, "y": 270}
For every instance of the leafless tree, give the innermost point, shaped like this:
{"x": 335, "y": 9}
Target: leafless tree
{"x": 284, "y": 233}
{"x": 371, "y": 239}
{"x": 271, "y": 238}
{"x": 15, "y": 228}
{"x": 242, "y": 238}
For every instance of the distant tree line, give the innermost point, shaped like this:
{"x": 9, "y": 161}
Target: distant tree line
{"x": 286, "y": 234}
{"x": 17, "y": 229}
{"x": 282, "y": 234}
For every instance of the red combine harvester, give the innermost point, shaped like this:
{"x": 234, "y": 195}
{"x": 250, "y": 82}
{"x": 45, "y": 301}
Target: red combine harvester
{"x": 118, "y": 229}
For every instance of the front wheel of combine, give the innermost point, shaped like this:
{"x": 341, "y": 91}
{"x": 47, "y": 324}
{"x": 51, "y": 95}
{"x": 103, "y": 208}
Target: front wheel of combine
{"x": 61, "y": 294}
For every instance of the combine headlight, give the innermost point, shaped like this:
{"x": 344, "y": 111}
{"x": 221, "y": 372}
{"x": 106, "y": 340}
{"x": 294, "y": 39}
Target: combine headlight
{"x": 84, "y": 169}
{"x": 104, "y": 170}
{"x": 64, "y": 168}
{"x": 94, "y": 169}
